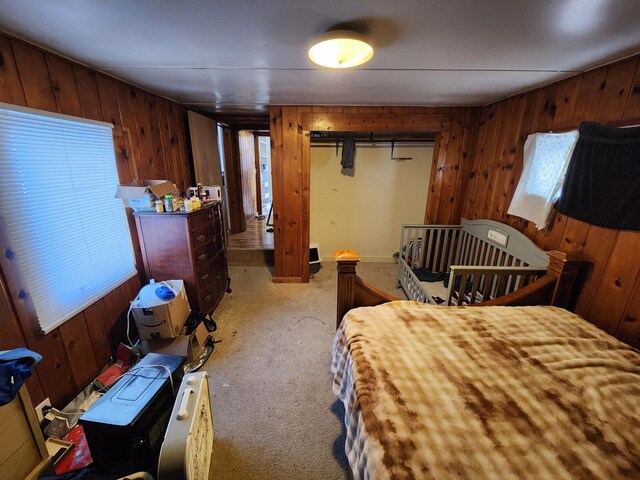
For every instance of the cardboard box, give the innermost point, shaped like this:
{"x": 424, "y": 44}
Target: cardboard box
{"x": 142, "y": 194}
{"x": 161, "y": 319}
{"x": 23, "y": 453}
{"x": 188, "y": 346}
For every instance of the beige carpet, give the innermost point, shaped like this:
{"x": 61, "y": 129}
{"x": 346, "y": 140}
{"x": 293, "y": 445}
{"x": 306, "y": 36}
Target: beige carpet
{"x": 272, "y": 404}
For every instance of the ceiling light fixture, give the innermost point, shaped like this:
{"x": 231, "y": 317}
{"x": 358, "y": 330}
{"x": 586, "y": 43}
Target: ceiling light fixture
{"x": 340, "y": 49}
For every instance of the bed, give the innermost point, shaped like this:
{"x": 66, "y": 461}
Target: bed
{"x": 464, "y": 264}
{"x": 491, "y": 391}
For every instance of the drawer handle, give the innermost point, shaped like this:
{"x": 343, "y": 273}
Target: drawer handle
{"x": 201, "y": 238}
{"x": 204, "y": 277}
{"x": 207, "y": 298}
{"x": 202, "y": 257}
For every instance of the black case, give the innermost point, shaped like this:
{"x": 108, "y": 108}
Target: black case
{"x": 126, "y": 427}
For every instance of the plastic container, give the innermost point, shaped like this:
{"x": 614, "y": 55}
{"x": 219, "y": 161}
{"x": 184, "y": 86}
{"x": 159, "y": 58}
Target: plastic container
{"x": 159, "y": 206}
{"x": 168, "y": 203}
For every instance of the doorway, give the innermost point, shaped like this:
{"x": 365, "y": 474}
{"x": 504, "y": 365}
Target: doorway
{"x": 454, "y": 130}
{"x": 263, "y": 178}
{"x": 250, "y": 158}
{"x": 362, "y": 208}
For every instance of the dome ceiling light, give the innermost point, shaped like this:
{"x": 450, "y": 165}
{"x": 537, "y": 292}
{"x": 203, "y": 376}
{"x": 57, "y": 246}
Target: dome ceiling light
{"x": 340, "y": 49}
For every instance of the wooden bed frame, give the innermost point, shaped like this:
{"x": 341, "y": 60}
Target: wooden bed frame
{"x": 556, "y": 287}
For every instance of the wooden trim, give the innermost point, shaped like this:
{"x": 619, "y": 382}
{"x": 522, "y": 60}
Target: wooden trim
{"x": 233, "y": 178}
{"x": 287, "y": 280}
{"x": 256, "y": 150}
{"x": 290, "y": 154}
{"x": 352, "y": 290}
{"x": 557, "y": 287}
{"x": 356, "y": 122}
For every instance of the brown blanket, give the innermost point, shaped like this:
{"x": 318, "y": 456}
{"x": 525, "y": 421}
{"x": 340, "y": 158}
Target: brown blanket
{"x": 485, "y": 392}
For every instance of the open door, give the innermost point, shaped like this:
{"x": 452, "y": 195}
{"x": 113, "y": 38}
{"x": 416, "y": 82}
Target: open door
{"x": 203, "y": 133}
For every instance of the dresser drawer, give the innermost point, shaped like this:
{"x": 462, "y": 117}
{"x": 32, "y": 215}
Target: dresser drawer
{"x": 206, "y": 274}
{"x": 201, "y": 219}
{"x": 203, "y": 254}
{"x": 202, "y": 235}
{"x": 208, "y": 298}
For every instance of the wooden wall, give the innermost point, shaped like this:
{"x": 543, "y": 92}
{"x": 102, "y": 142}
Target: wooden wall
{"x": 610, "y": 297}
{"x": 150, "y": 143}
{"x": 290, "y": 154}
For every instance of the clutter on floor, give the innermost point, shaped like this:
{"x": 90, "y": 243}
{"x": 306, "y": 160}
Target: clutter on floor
{"x": 125, "y": 428}
{"x": 167, "y": 325}
{"x": 188, "y": 444}
{"x": 117, "y": 424}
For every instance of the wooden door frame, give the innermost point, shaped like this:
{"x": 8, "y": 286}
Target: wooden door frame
{"x": 256, "y": 147}
{"x": 291, "y": 151}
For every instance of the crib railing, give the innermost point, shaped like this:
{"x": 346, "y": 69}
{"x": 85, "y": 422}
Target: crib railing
{"x": 429, "y": 246}
{"x": 474, "y": 284}
{"x": 479, "y": 270}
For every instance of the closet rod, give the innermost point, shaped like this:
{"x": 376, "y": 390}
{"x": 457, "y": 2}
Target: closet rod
{"x": 332, "y": 143}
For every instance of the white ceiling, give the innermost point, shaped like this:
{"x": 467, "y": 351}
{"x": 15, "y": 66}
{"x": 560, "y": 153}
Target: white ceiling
{"x": 241, "y": 55}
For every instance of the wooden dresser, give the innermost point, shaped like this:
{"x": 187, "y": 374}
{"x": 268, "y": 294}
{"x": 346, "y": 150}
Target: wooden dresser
{"x": 188, "y": 246}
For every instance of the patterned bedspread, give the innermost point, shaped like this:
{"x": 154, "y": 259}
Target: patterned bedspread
{"x": 485, "y": 392}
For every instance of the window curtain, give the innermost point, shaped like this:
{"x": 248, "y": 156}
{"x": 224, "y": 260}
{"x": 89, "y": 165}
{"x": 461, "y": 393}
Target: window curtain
{"x": 546, "y": 157}
{"x": 602, "y": 185}
{"x": 67, "y": 230}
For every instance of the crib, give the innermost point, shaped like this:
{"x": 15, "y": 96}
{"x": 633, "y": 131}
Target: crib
{"x": 475, "y": 262}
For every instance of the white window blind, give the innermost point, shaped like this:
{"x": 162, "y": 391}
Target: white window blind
{"x": 546, "y": 158}
{"x": 68, "y": 233}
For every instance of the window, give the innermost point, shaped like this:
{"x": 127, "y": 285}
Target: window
{"x": 546, "y": 157}
{"x": 68, "y": 232}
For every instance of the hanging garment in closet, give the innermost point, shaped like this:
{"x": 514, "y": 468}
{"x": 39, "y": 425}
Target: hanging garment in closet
{"x": 348, "y": 153}
{"x": 602, "y": 185}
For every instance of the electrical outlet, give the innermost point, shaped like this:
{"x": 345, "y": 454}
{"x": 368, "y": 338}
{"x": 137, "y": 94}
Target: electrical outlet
{"x": 45, "y": 403}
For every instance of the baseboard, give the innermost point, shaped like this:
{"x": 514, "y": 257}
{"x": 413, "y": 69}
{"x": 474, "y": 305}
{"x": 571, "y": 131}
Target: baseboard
{"x": 287, "y": 279}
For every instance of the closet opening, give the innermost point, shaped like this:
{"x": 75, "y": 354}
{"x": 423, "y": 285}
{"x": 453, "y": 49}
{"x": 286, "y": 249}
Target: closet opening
{"x": 384, "y": 185}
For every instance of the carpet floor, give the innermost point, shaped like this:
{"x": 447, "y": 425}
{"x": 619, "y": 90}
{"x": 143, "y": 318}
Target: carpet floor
{"x": 275, "y": 416}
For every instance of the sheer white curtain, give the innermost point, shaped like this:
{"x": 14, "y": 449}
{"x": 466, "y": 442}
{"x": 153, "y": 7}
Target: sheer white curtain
{"x": 546, "y": 157}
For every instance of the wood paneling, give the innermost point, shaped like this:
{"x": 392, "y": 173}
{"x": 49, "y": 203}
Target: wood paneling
{"x": 64, "y": 87}
{"x": 11, "y": 337}
{"x": 290, "y": 153}
{"x": 34, "y": 76}
{"x": 10, "y": 86}
{"x": 609, "y": 95}
{"x": 150, "y": 142}
{"x": 370, "y": 119}
{"x": 88, "y": 93}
